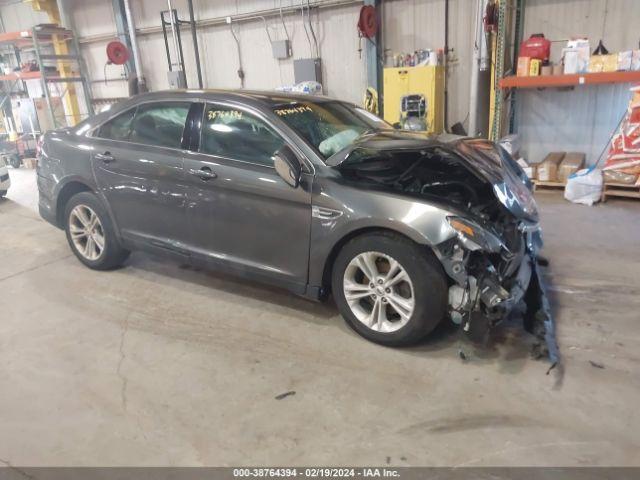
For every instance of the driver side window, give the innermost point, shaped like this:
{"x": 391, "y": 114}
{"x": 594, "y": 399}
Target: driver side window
{"x": 236, "y": 134}
{"x": 117, "y": 128}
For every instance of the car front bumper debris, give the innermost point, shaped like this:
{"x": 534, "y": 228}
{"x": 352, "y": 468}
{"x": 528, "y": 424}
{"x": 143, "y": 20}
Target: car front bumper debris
{"x": 480, "y": 297}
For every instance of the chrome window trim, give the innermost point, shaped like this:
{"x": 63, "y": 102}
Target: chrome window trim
{"x": 308, "y": 164}
{"x": 122, "y": 142}
{"x": 92, "y": 130}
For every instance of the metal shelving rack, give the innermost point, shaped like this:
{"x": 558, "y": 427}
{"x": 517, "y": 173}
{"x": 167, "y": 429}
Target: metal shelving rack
{"x": 498, "y": 99}
{"x": 69, "y": 66}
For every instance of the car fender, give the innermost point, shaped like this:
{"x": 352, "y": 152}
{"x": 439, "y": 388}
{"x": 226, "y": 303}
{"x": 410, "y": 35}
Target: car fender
{"x": 342, "y": 214}
{"x": 92, "y": 187}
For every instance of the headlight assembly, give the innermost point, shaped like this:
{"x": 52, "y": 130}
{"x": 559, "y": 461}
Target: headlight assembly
{"x": 515, "y": 196}
{"x": 515, "y": 192}
{"x": 474, "y": 237}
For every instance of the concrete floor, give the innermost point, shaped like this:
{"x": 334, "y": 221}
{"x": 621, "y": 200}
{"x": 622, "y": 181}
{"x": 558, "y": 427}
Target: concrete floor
{"x": 155, "y": 364}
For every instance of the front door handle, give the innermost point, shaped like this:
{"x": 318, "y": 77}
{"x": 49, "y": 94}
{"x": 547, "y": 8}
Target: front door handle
{"x": 205, "y": 173}
{"x": 106, "y": 157}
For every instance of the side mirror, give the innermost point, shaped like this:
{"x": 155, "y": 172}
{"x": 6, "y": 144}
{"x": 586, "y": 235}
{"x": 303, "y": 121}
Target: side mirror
{"x": 288, "y": 166}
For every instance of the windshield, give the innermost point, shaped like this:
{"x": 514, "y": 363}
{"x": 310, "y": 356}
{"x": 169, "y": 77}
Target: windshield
{"x": 329, "y": 126}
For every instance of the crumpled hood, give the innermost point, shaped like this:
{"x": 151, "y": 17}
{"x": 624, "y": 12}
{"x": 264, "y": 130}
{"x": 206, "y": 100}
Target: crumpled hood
{"x": 476, "y": 152}
{"x": 480, "y": 156}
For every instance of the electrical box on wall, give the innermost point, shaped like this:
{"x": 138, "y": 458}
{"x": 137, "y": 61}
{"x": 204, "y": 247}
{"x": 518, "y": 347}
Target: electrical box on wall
{"x": 307, "y": 70}
{"x": 176, "y": 79}
{"x": 281, "y": 49}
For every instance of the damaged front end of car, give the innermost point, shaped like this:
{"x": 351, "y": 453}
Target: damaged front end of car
{"x": 492, "y": 234}
{"x": 492, "y": 278}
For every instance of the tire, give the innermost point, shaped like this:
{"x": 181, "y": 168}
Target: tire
{"x": 77, "y": 215}
{"x": 2, "y": 193}
{"x": 426, "y": 289}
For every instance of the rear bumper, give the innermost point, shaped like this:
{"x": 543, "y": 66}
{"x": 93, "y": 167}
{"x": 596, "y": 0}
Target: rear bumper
{"x": 46, "y": 205}
{"x": 47, "y": 214}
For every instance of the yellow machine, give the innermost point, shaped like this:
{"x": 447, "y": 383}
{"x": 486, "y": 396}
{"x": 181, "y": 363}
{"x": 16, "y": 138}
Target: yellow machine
{"x": 425, "y": 81}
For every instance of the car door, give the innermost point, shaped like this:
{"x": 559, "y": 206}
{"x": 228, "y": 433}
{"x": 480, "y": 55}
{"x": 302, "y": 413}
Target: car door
{"x": 138, "y": 166}
{"x": 240, "y": 213}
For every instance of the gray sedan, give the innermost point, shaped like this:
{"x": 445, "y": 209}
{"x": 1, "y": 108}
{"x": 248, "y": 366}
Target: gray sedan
{"x": 315, "y": 195}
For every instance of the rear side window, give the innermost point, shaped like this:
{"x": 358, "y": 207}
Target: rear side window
{"x": 238, "y": 135}
{"x": 160, "y": 124}
{"x": 118, "y": 128}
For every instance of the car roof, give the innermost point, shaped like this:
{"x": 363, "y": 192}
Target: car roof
{"x": 268, "y": 98}
{"x": 258, "y": 99}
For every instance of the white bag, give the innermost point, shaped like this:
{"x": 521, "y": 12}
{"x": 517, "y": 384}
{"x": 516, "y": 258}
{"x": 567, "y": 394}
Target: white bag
{"x": 584, "y": 186}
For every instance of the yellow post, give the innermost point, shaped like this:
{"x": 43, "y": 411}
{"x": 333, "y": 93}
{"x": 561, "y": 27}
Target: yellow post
{"x": 492, "y": 92}
{"x": 60, "y": 47}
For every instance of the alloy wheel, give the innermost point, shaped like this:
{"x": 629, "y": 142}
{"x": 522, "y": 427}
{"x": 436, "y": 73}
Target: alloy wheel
{"x": 379, "y": 291}
{"x": 86, "y": 232}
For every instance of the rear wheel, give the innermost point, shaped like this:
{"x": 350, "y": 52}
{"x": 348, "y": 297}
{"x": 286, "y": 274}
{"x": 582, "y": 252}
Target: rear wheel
{"x": 91, "y": 234}
{"x": 389, "y": 289}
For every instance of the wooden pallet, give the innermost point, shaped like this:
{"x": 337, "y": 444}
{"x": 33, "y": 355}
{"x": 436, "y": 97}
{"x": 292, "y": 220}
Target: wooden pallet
{"x": 620, "y": 190}
{"x": 539, "y": 184}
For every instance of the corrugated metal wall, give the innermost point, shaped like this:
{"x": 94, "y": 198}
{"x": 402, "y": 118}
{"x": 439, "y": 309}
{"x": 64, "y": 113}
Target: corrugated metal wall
{"x": 343, "y": 69}
{"x": 18, "y": 16}
{"x": 409, "y": 25}
{"x": 414, "y": 24}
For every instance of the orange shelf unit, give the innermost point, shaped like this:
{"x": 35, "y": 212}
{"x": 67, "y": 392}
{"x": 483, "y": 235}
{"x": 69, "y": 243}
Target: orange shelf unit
{"x": 21, "y": 75}
{"x": 19, "y": 39}
{"x": 24, "y": 38}
{"x": 550, "y": 81}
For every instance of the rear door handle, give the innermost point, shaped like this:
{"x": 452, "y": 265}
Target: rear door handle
{"x": 205, "y": 173}
{"x": 106, "y": 157}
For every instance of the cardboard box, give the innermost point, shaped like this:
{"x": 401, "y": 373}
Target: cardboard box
{"x": 531, "y": 171}
{"x": 523, "y": 66}
{"x": 596, "y": 64}
{"x": 610, "y": 62}
{"x": 624, "y": 60}
{"x": 615, "y": 176}
{"x": 570, "y": 61}
{"x": 635, "y": 60}
{"x": 571, "y": 163}
{"x": 30, "y": 163}
{"x": 548, "y": 168}
{"x": 528, "y": 169}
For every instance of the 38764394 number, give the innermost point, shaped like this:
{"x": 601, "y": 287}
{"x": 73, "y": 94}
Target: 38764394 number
{"x": 264, "y": 472}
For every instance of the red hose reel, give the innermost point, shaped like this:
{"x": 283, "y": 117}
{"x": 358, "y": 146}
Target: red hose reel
{"x": 117, "y": 52}
{"x": 368, "y": 21}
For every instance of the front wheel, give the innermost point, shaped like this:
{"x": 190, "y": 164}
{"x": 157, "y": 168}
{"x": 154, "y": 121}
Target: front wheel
{"x": 91, "y": 234}
{"x": 389, "y": 289}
